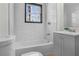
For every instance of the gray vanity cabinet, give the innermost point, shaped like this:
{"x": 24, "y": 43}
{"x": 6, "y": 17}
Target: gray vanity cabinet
{"x": 66, "y": 45}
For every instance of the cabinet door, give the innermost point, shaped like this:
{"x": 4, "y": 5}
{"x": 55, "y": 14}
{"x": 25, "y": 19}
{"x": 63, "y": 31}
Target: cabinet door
{"x": 68, "y": 46}
{"x": 57, "y": 44}
{"x": 77, "y": 45}
{"x": 64, "y": 45}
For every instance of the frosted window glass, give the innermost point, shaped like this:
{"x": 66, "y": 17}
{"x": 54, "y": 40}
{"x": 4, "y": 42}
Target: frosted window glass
{"x": 33, "y": 12}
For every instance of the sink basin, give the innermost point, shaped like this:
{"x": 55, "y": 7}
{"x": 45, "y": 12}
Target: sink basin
{"x": 6, "y": 40}
{"x": 6, "y": 48}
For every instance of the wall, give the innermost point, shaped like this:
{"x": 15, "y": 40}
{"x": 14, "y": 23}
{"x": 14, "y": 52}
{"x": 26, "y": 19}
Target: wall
{"x": 5, "y": 47}
{"x": 71, "y": 11}
{"x": 3, "y": 19}
{"x": 27, "y": 31}
{"x": 60, "y": 17}
{"x": 11, "y": 18}
{"x": 67, "y": 15}
{"x": 51, "y": 18}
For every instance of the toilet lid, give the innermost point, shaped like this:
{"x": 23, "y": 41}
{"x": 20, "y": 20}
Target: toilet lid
{"x": 32, "y": 54}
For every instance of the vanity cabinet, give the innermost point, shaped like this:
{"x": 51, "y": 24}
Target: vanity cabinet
{"x": 66, "y": 44}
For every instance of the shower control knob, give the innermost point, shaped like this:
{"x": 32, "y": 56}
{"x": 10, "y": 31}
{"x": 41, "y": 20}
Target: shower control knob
{"x": 48, "y": 33}
{"x": 49, "y": 23}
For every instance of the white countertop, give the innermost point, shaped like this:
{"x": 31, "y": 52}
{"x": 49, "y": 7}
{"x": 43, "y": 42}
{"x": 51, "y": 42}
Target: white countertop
{"x": 68, "y": 33}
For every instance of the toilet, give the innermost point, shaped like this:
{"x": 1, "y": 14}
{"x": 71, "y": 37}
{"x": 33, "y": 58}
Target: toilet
{"x": 32, "y": 54}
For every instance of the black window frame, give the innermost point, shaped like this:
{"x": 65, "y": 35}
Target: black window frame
{"x": 40, "y": 14}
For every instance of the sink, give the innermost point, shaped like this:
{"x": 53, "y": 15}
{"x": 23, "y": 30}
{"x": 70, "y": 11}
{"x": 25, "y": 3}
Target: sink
{"x": 6, "y": 48}
{"x": 68, "y": 33}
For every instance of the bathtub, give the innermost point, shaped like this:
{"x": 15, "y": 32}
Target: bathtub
{"x": 44, "y": 47}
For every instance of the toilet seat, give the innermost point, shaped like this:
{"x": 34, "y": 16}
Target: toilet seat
{"x": 32, "y": 54}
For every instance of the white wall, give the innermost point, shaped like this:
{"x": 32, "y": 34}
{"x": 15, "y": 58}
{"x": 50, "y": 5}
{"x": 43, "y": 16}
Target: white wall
{"x": 67, "y": 15}
{"x": 51, "y": 18}
{"x": 11, "y": 18}
{"x": 27, "y": 31}
{"x": 60, "y": 17}
{"x": 6, "y": 48}
{"x": 3, "y": 19}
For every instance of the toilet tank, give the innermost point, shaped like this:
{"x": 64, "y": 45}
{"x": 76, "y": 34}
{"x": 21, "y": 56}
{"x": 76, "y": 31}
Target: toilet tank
{"x": 6, "y": 46}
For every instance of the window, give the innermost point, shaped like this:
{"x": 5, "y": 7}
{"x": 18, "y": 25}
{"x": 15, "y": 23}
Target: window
{"x": 33, "y": 13}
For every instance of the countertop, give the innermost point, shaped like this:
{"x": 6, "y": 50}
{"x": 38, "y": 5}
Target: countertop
{"x": 67, "y": 33}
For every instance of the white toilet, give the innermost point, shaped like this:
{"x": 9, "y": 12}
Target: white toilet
{"x": 32, "y": 54}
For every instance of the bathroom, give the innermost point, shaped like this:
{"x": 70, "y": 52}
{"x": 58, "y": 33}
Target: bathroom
{"x": 22, "y": 37}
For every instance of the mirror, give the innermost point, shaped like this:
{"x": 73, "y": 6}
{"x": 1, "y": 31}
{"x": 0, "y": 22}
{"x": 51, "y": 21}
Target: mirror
{"x": 71, "y": 16}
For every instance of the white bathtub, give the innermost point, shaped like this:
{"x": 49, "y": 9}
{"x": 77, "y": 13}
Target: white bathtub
{"x": 24, "y": 47}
